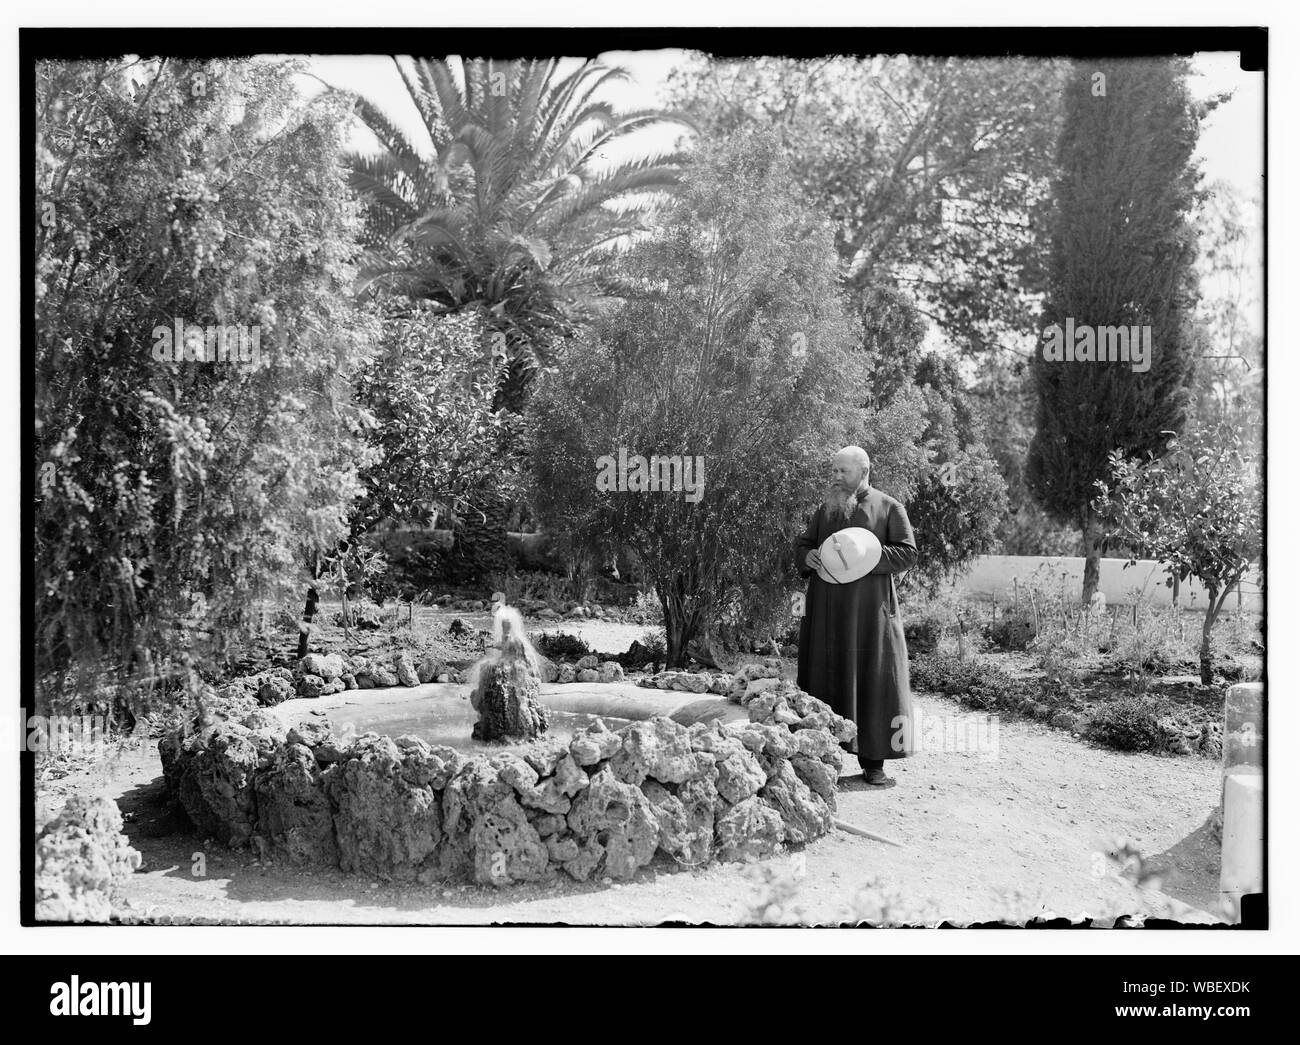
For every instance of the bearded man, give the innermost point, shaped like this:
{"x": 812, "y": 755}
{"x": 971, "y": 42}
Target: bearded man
{"x": 852, "y": 653}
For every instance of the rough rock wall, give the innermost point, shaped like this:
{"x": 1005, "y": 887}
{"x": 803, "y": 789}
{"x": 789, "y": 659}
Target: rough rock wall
{"x": 81, "y": 855}
{"x": 602, "y": 804}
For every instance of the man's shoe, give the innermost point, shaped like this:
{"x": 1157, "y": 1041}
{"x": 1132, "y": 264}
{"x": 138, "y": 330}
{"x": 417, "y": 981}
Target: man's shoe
{"x": 877, "y": 778}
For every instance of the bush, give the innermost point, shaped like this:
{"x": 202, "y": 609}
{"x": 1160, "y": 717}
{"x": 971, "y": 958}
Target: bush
{"x": 1134, "y": 723}
{"x": 177, "y": 491}
{"x": 1010, "y": 633}
{"x": 759, "y": 383}
{"x": 364, "y": 618}
{"x": 652, "y": 648}
{"x": 559, "y": 646}
{"x": 974, "y": 685}
{"x": 922, "y": 635}
{"x": 430, "y": 394}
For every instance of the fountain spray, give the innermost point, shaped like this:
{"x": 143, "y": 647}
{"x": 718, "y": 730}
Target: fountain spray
{"x": 506, "y": 684}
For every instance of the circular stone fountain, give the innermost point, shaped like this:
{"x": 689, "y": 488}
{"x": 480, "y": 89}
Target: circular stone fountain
{"x": 395, "y": 784}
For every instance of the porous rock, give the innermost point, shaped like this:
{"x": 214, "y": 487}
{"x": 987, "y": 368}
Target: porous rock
{"x": 380, "y": 677}
{"x": 274, "y": 690}
{"x": 820, "y": 777}
{"x": 739, "y": 775}
{"x": 550, "y": 824}
{"x": 507, "y": 702}
{"x": 685, "y": 819}
{"x": 326, "y": 666}
{"x": 429, "y": 669}
{"x": 659, "y": 748}
{"x": 263, "y": 722}
{"x": 404, "y": 669}
{"x": 594, "y": 744}
{"x": 81, "y": 858}
{"x": 293, "y": 813}
{"x": 762, "y": 738}
{"x": 386, "y": 826}
{"x": 486, "y": 831}
{"x": 616, "y": 822}
{"x": 749, "y": 830}
{"x": 805, "y": 814}
{"x": 213, "y": 774}
{"x": 545, "y": 755}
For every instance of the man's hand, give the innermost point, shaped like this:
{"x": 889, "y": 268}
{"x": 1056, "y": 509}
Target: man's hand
{"x": 813, "y": 559}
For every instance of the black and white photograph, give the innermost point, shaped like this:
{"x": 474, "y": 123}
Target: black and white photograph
{"x": 806, "y": 478}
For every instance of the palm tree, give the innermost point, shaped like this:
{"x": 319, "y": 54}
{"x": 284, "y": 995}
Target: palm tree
{"x": 510, "y": 207}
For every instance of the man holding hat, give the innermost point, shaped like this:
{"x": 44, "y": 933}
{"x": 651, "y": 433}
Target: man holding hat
{"x": 852, "y": 653}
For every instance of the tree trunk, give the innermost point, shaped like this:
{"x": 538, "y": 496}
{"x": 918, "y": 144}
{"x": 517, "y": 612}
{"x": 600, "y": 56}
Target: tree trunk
{"x": 304, "y": 629}
{"x": 680, "y": 626}
{"x": 1207, "y": 673}
{"x": 1207, "y": 627}
{"x": 1092, "y": 558}
{"x": 481, "y": 548}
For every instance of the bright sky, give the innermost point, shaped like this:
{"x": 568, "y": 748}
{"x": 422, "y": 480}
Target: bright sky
{"x": 1231, "y": 147}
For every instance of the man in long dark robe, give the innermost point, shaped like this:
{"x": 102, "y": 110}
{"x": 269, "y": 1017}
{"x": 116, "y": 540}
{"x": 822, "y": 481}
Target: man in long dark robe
{"x": 852, "y": 653}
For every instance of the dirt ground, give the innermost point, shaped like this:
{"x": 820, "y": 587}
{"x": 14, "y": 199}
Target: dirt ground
{"x": 998, "y": 823}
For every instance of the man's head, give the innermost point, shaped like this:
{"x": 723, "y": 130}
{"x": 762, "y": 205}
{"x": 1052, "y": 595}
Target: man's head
{"x": 850, "y": 467}
{"x": 849, "y": 470}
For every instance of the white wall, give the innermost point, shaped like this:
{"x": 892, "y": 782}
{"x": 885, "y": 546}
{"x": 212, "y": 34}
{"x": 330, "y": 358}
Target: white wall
{"x": 993, "y": 574}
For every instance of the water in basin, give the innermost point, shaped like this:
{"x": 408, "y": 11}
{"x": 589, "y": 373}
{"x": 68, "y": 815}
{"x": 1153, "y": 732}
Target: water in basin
{"x": 447, "y": 719}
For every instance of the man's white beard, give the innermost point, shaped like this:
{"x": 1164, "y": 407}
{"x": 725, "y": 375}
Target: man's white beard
{"x": 840, "y": 502}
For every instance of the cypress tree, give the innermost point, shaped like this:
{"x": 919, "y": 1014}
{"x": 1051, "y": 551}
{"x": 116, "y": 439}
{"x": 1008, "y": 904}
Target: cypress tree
{"x": 1122, "y": 254}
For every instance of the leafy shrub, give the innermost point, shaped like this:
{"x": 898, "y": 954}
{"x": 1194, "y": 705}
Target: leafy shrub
{"x": 174, "y": 493}
{"x": 974, "y": 685}
{"x": 430, "y": 393}
{"x": 762, "y": 384}
{"x": 922, "y": 635}
{"x": 560, "y": 646}
{"x": 1134, "y": 723}
{"x": 1009, "y": 633}
{"x": 652, "y": 647}
{"x": 364, "y": 618}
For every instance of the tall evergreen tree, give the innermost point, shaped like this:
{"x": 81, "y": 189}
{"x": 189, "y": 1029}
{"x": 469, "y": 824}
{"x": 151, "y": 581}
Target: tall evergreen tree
{"x": 1122, "y": 255}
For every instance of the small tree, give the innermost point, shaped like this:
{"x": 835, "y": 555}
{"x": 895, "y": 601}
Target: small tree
{"x": 437, "y": 439}
{"x": 731, "y": 346}
{"x": 1195, "y": 509}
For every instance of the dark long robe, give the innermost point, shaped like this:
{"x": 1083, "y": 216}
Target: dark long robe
{"x": 852, "y": 653}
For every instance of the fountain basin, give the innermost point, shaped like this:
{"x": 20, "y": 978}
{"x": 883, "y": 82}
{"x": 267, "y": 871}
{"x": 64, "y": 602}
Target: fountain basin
{"x": 440, "y": 713}
{"x": 350, "y": 781}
